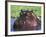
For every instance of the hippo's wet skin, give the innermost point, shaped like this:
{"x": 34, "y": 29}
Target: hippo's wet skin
{"x": 27, "y": 21}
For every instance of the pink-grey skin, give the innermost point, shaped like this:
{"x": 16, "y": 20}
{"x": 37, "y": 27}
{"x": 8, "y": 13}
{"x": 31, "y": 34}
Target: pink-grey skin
{"x": 28, "y": 21}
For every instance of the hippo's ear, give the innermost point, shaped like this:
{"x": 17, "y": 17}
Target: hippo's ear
{"x": 32, "y": 11}
{"x": 21, "y": 10}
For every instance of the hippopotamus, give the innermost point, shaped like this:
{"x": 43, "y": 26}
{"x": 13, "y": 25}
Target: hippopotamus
{"x": 27, "y": 21}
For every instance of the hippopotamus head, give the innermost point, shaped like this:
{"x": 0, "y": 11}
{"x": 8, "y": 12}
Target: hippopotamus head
{"x": 27, "y": 21}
